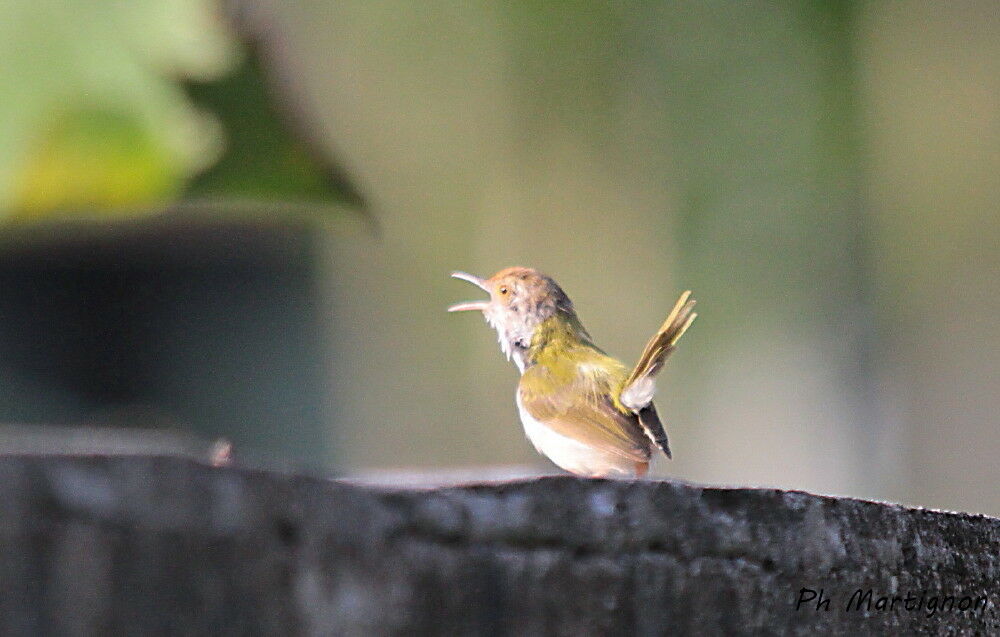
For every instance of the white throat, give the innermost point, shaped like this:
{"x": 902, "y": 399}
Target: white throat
{"x": 513, "y": 341}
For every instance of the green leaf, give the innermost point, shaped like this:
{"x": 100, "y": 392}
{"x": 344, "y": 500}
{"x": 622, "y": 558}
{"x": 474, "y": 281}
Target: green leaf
{"x": 269, "y": 156}
{"x": 91, "y": 113}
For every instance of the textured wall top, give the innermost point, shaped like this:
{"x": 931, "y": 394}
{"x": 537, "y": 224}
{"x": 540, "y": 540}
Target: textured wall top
{"x": 167, "y": 545}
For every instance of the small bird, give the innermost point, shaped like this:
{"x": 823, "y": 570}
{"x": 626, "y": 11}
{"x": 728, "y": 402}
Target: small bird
{"x": 583, "y": 409}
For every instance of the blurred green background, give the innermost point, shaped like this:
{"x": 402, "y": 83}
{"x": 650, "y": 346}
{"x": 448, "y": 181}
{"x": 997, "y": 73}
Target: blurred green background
{"x": 824, "y": 176}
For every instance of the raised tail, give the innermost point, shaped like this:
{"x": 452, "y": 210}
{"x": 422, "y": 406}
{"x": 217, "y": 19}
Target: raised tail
{"x": 637, "y": 392}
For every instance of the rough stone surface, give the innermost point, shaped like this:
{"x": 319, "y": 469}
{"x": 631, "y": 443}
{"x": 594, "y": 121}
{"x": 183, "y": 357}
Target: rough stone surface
{"x": 137, "y": 545}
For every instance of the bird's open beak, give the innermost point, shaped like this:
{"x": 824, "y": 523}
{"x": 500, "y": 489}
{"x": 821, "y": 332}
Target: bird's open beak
{"x": 470, "y": 305}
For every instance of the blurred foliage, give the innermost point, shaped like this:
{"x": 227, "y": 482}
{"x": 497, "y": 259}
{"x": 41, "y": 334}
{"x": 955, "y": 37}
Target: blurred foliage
{"x": 262, "y": 160}
{"x": 95, "y": 159}
{"x": 91, "y": 114}
{"x": 96, "y": 115}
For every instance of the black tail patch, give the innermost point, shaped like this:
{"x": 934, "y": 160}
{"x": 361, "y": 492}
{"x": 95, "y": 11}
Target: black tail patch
{"x": 651, "y": 424}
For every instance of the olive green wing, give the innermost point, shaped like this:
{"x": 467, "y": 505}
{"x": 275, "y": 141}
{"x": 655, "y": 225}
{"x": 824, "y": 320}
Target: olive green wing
{"x": 581, "y": 409}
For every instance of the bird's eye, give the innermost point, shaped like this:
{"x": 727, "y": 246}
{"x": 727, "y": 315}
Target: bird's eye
{"x": 503, "y": 289}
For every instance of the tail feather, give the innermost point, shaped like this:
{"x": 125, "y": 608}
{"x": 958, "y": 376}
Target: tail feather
{"x": 650, "y": 422}
{"x": 637, "y": 392}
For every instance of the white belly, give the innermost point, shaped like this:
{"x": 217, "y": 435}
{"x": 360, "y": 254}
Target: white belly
{"x": 573, "y": 455}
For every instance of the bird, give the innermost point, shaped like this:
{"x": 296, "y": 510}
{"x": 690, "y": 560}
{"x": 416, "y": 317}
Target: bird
{"x": 586, "y": 411}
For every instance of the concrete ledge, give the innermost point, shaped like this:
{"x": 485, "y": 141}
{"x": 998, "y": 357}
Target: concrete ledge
{"x": 103, "y": 545}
